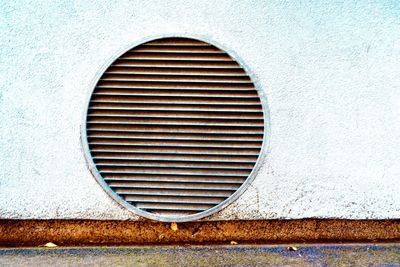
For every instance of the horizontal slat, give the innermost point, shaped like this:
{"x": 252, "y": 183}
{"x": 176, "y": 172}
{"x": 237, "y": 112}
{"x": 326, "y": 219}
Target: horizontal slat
{"x": 160, "y": 206}
{"x": 182, "y": 122}
{"x": 115, "y": 175}
{"x": 168, "y": 92}
{"x": 176, "y": 129}
{"x": 191, "y": 172}
{"x": 176, "y": 49}
{"x": 176, "y": 179}
{"x": 181, "y": 179}
{"x": 211, "y": 88}
{"x": 173, "y": 177}
{"x": 173, "y": 56}
{"x": 175, "y": 78}
{"x": 171, "y": 192}
{"x": 230, "y": 93}
{"x": 175, "y": 157}
{"x": 186, "y": 160}
{"x": 174, "y": 170}
{"x": 177, "y": 136}
{"x": 172, "y": 213}
{"x": 177, "y": 113}
{"x": 176, "y": 92}
{"x": 111, "y": 115}
{"x": 173, "y": 149}
{"x": 128, "y": 146}
{"x": 192, "y": 152}
{"x": 176, "y": 185}
{"x": 173, "y": 100}
{"x": 202, "y": 121}
{"x": 174, "y": 85}
{"x": 213, "y": 127}
{"x": 173, "y": 63}
{"x": 176, "y": 107}
{"x": 181, "y": 143}
{"x": 222, "y": 153}
{"x": 176, "y": 71}
{"x": 172, "y": 115}
{"x": 172, "y": 92}
{"x": 181, "y": 131}
{"x": 176, "y": 145}
{"x": 172, "y": 186}
{"x": 177, "y": 41}
{"x": 174, "y": 200}
{"x": 182, "y": 101}
{"x": 174, "y": 165}
{"x": 203, "y": 95}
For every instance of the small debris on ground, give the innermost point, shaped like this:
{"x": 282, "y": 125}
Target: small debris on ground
{"x": 49, "y": 245}
{"x": 174, "y": 226}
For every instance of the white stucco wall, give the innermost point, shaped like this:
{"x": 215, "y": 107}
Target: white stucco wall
{"x": 330, "y": 71}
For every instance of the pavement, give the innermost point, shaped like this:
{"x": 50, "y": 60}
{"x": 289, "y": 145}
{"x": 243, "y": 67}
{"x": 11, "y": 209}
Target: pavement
{"x": 213, "y": 255}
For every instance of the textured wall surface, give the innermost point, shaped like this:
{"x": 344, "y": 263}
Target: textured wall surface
{"x": 330, "y": 71}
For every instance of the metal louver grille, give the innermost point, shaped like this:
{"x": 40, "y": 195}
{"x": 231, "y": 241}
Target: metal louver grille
{"x": 174, "y": 127}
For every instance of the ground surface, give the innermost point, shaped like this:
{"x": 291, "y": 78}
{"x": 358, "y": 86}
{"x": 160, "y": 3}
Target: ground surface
{"x": 305, "y": 255}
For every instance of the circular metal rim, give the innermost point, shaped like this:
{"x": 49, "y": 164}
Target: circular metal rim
{"x": 197, "y": 216}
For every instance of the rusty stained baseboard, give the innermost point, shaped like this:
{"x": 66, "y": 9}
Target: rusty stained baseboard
{"x": 94, "y": 232}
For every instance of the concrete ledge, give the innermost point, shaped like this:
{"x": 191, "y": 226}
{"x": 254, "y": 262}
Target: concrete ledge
{"x": 92, "y": 232}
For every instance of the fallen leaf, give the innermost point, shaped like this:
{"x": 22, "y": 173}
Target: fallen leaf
{"x": 234, "y": 243}
{"x": 292, "y": 248}
{"x": 49, "y": 245}
{"x": 174, "y": 226}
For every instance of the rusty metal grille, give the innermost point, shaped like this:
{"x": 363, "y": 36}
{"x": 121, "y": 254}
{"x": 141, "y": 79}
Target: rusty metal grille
{"x": 174, "y": 127}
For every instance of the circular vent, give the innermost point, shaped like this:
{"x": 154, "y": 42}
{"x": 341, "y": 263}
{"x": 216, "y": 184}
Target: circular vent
{"x": 174, "y": 128}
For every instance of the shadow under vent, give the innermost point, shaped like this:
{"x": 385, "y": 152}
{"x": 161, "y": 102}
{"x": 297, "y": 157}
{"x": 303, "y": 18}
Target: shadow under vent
{"x": 174, "y": 127}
